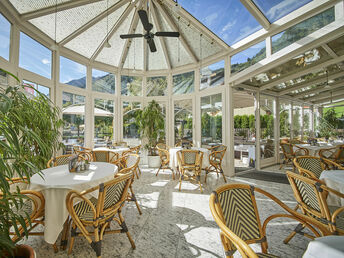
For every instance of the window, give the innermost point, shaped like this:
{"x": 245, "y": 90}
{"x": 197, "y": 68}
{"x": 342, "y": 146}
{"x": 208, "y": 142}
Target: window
{"x": 42, "y": 89}
{"x": 183, "y": 83}
{"x": 103, "y": 122}
{"x": 157, "y": 86}
{"x": 212, "y": 75}
{"x": 248, "y": 57}
{"x": 131, "y": 85}
{"x": 72, "y": 73}
{"x": 103, "y": 81}
{"x": 297, "y": 121}
{"x": 182, "y": 120}
{"x": 34, "y": 57}
{"x": 211, "y": 120}
{"x": 285, "y": 110}
{"x": 5, "y": 36}
{"x": 301, "y": 30}
{"x": 267, "y": 117}
{"x": 130, "y": 128}
{"x": 73, "y": 113}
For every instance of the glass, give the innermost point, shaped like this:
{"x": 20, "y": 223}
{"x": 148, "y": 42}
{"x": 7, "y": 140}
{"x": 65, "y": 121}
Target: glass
{"x": 297, "y": 121}
{"x": 34, "y": 57}
{"x": 42, "y": 89}
{"x": 301, "y": 30}
{"x": 183, "y": 83}
{"x": 73, "y": 114}
{"x": 131, "y": 85}
{"x": 163, "y": 110}
{"x": 157, "y": 86}
{"x": 103, "y": 81}
{"x": 248, "y": 57}
{"x": 274, "y": 10}
{"x": 267, "y": 117}
{"x": 72, "y": 73}
{"x": 211, "y": 120}
{"x": 103, "y": 122}
{"x": 182, "y": 120}
{"x": 307, "y": 116}
{"x": 212, "y": 75}
{"x": 285, "y": 109}
{"x": 130, "y": 128}
{"x": 5, "y": 37}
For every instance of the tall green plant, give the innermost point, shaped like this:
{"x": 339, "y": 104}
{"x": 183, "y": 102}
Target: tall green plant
{"x": 29, "y": 137}
{"x": 151, "y": 124}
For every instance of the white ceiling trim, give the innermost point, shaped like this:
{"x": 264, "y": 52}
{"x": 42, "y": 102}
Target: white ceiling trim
{"x": 257, "y": 14}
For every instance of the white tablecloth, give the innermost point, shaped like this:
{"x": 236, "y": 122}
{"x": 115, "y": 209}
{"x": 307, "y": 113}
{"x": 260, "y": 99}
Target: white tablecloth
{"x": 335, "y": 180}
{"x": 325, "y": 247}
{"x": 174, "y": 161}
{"x": 56, "y": 182}
{"x": 116, "y": 150}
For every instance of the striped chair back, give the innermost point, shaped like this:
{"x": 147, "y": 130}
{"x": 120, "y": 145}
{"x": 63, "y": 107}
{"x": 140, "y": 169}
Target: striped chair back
{"x": 309, "y": 165}
{"x": 287, "y": 149}
{"x": 100, "y": 156}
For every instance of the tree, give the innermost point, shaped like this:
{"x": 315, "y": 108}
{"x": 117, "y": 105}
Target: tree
{"x": 330, "y": 117}
{"x": 252, "y": 122}
{"x": 244, "y": 121}
{"x": 237, "y": 121}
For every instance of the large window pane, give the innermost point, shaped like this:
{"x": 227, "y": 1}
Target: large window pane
{"x": 211, "y": 120}
{"x": 213, "y": 75}
{"x": 182, "y": 120}
{"x": 285, "y": 110}
{"x": 183, "y": 83}
{"x": 42, "y": 89}
{"x": 301, "y": 30}
{"x": 131, "y": 85}
{"x": 248, "y": 57}
{"x": 267, "y": 115}
{"x": 72, "y": 73}
{"x": 103, "y": 122}
{"x": 157, "y": 86}
{"x": 130, "y": 129}
{"x": 34, "y": 57}
{"x": 307, "y": 116}
{"x": 73, "y": 110}
{"x": 297, "y": 121}
{"x": 5, "y": 36}
{"x": 103, "y": 81}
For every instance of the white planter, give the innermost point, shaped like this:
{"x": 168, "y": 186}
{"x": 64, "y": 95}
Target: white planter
{"x": 153, "y": 161}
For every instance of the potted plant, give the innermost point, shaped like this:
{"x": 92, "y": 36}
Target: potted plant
{"x": 151, "y": 125}
{"x": 29, "y": 137}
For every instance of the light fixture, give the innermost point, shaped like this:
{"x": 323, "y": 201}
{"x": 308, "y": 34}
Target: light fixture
{"x": 54, "y": 47}
{"x": 107, "y": 44}
{"x": 327, "y": 86}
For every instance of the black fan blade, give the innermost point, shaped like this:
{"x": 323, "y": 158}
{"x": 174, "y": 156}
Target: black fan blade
{"x": 130, "y": 36}
{"x": 151, "y": 45}
{"x": 144, "y": 19}
{"x": 167, "y": 34}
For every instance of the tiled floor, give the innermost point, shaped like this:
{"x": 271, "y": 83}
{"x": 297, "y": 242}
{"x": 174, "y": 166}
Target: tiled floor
{"x": 179, "y": 224}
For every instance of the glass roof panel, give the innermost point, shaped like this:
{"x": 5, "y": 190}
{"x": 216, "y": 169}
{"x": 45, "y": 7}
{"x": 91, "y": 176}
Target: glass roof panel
{"x": 29, "y": 6}
{"x": 228, "y": 19}
{"x": 276, "y": 9}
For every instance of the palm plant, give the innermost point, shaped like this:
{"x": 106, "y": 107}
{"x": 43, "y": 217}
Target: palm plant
{"x": 29, "y": 137}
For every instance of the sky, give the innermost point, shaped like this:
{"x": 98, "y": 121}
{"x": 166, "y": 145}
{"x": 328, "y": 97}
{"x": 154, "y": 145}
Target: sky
{"x": 4, "y": 37}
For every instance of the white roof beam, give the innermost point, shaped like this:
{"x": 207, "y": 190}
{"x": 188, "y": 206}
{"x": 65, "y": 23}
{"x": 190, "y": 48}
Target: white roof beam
{"x": 162, "y": 40}
{"x": 59, "y": 7}
{"x": 319, "y": 89}
{"x": 175, "y": 28}
{"x": 93, "y": 21}
{"x": 329, "y": 51}
{"x": 329, "y": 100}
{"x": 327, "y": 93}
{"x": 312, "y": 82}
{"x": 255, "y": 11}
{"x": 113, "y": 29}
{"x": 335, "y": 96}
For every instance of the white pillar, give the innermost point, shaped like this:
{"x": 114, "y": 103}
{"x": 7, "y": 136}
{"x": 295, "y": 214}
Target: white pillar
{"x": 89, "y": 110}
{"x": 257, "y": 114}
{"x": 197, "y": 114}
{"x": 302, "y": 120}
{"x": 277, "y": 129}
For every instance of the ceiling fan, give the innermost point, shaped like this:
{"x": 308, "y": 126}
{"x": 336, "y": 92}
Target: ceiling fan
{"x": 149, "y": 36}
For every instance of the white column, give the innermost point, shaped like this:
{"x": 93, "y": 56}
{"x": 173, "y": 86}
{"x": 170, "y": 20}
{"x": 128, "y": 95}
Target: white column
{"x": 302, "y": 118}
{"x": 118, "y": 110}
{"x": 311, "y": 122}
{"x": 197, "y": 113}
{"x": 89, "y": 110}
{"x": 291, "y": 115}
{"x": 14, "y": 53}
{"x": 257, "y": 114}
{"x": 277, "y": 129}
{"x": 170, "y": 131}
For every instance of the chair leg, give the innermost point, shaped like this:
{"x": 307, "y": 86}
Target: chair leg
{"x": 125, "y": 229}
{"x": 223, "y": 174}
{"x": 55, "y": 248}
{"x": 298, "y": 229}
{"x": 133, "y": 198}
{"x": 72, "y": 239}
{"x": 64, "y": 238}
{"x": 97, "y": 244}
{"x": 137, "y": 175}
{"x": 158, "y": 170}
{"x": 180, "y": 181}
{"x": 199, "y": 182}
{"x": 206, "y": 175}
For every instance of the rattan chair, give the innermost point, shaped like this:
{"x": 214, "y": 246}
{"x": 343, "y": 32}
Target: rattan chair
{"x": 134, "y": 150}
{"x": 184, "y": 142}
{"x": 120, "y": 144}
{"x": 59, "y": 160}
{"x": 86, "y": 155}
{"x": 313, "y": 166}
{"x": 335, "y": 154}
{"x": 235, "y": 211}
{"x": 215, "y": 161}
{"x": 164, "y": 155}
{"x": 311, "y": 194}
{"x": 30, "y": 208}
{"x": 289, "y": 153}
{"x": 101, "y": 156}
{"x": 98, "y": 213}
{"x": 163, "y": 146}
{"x": 190, "y": 166}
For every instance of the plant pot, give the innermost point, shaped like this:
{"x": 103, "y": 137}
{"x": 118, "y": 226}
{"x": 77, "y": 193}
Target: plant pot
{"x": 23, "y": 251}
{"x": 153, "y": 161}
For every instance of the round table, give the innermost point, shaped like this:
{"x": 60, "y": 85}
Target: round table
{"x": 335, "y": 180}
{"x": 56, "y": 182}
{"x": 174, "y": 161}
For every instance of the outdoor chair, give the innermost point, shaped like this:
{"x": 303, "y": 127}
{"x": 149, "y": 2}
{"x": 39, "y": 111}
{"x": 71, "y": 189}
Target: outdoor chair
{"x": 31, "y": 209}
{"x": 296, "y": 141}
{"x": 313, "y": 166}
{"x": 269, "y": 149}
{"x": 310, "y": 194}
{"x": 131, "y": 162}
{"x": 215, "y": 161}
{"x": 59, "y": 160}
{"x": 164, "y": 155}
{"x": 86, "y": 155}
{"x": 101, "y": 156}
{"x": 184, "y": 143}
{"x": 289, "y": 153}
{"x": 235, "y": 211}
{"x": 190, "y": 166}
{"x": 98, "y": 213}
{"x": 335, "y": 154}
{"x": 134, "y": 150}
{"x": 120, "y": 144}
